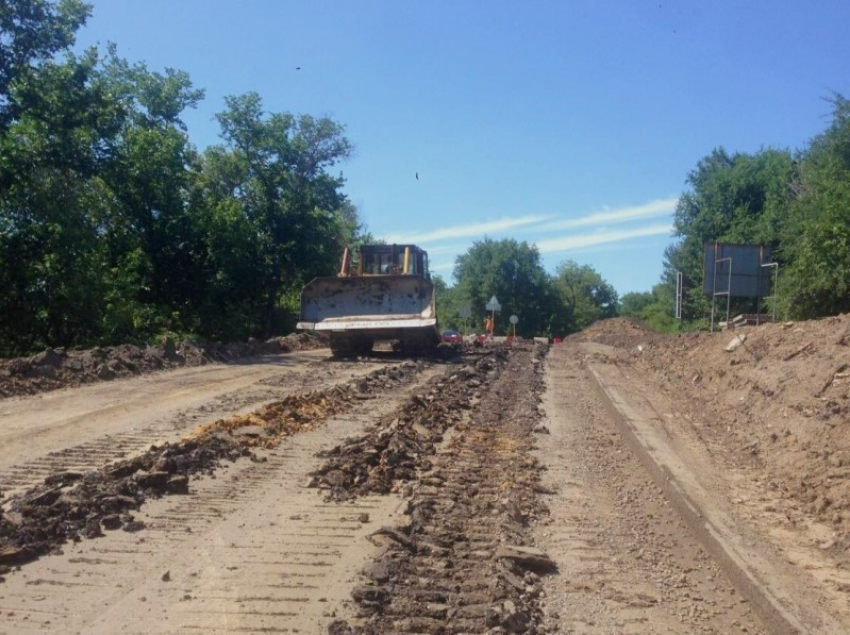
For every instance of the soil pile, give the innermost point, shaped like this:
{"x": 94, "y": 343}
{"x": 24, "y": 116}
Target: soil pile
{"x": 71, "y": 505}
{"x": 57, "y": 368}
{"x": 775, "y": 398}
{"x": 624, "y": 333}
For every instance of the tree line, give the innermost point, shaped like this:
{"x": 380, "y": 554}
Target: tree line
{"x": 546, "y": 304}
{"x": 797, "y": 203}
{"x": 115, "y": 228}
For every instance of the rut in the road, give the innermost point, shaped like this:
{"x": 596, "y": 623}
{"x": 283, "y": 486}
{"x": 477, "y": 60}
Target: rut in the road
{"x": 73, "y": 505}
{"x": 464, "y": 562}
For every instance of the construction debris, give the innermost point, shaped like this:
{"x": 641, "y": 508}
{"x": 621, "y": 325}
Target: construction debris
{"x": 71, "y": 506}
{"x": 394, "y": 449}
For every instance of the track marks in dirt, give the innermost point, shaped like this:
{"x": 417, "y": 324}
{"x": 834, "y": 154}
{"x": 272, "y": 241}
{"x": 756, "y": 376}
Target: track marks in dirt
{"x": 628, "y": 563}
{"x": 70, "y": 505}
{"x": 251, "y": 550}
{"x": 462, "y": 560}
{"x": 104, "y": 448}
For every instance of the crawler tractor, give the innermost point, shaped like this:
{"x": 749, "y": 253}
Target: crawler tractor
{"x": 385, "y": 293}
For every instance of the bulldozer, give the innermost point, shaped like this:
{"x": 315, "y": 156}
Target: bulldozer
{"x": 381, "y": 293}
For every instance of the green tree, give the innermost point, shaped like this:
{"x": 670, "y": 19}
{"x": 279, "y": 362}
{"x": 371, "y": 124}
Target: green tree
{"x": 816, "y": 236}
{"x": 654, "y": 308}
{"x": 449, "y": 303}
{"x": 512, "y": 272}
{"x": 634, "y": 303}
{"x": 273, "y": 169}
{"x": 737, "y": 198}
{"x": 53, "y": 204}
{"x": 583, "y": 297}
{"x": 31, "y": 33}
{"x": 154, "y": 249}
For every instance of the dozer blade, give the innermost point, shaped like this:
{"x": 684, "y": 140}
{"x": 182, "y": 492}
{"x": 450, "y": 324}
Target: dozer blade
{"x": 368, "y": 303}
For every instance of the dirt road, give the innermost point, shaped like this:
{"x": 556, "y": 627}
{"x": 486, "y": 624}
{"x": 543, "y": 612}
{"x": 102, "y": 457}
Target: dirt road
{"x": 499, "y": 490}
{"x": 86, "y": 427}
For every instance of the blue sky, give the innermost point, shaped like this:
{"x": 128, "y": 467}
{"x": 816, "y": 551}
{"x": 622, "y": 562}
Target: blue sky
{"x": 569, "y": 124}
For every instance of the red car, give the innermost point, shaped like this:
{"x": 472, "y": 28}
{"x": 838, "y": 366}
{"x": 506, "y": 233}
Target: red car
{"x": 452, "y": 337}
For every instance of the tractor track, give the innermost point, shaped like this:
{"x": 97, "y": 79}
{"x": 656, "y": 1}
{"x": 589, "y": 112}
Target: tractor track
{"x": 250, "y": 548}
{"x": 463, "y": 560}
{"x": 42, "y": 435}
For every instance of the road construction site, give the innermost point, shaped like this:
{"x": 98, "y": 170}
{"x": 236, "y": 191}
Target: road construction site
{"x": 621, "y": 481}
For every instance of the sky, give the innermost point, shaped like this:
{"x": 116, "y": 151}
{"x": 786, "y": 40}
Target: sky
{"x": 569, "y": 124}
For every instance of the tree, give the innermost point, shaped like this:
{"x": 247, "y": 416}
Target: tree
{"x": 31, "y": 33}
{"x": 584, "y": 297}
{"x": 270, "y": 179}
{"x": 737, "y": 198}
{"x": 154, "y": 249}
{"x": 634, "y": 303}
{"x": 512, "y": 272}
{"x": 53, "y": 204}
{"x": 654, "y": 308}
{"x": 816, "y": 236}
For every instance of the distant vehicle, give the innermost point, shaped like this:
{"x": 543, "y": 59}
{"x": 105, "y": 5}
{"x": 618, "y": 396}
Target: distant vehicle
{"x": 387, "y": 294}
{"x": 452, "y": 337}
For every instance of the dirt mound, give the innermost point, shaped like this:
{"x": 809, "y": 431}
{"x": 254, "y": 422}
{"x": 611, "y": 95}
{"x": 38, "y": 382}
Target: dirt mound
{"x": 775, "y": 398}
{"x": 57, "y": 368}
{"x": 620, "y": 332}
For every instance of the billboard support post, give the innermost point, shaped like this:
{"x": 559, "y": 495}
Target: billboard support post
{"x": 679, "y": 295}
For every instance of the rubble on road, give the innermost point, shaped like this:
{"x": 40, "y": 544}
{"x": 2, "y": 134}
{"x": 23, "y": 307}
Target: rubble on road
{"x": 392, "y": 451}
{"x": 57, "y": 367}
{"x": 462, "y": 561}
{"x": 271, "y": 424}
{"x": 72, "y": 506}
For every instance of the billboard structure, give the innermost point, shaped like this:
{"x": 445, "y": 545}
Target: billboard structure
{"x": 736, "y": 271}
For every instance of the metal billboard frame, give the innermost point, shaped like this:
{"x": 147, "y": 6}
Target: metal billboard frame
{"x": 720, "y": 260}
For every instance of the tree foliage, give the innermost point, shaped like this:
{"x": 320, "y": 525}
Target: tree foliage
{"x": 572, "y": 299}
{"x": 583, "y": 297}
{"x": 816, "y": 234}
{"x": 114, "y": 228}
{"x": 796, "y": 203}
{"x": 511, "y": 271}
{"x": 32, "y": 32}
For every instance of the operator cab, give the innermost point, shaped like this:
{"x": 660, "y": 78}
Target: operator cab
{"x": 382, "y": 260}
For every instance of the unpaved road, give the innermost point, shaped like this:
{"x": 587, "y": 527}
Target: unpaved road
{"x": 85, "y": 427}
{"x": 493, "y": 492}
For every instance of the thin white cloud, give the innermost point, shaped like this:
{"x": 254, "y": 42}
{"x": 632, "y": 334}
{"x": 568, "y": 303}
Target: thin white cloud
{"x": 569, "y": 243}
{"x": 653, "y": 209}
{"x": 460, "y": 231}
{"x": 452, "y": 248}
{"x": 443, "y": 266}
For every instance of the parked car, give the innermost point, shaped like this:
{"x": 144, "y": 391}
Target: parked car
{"x": 452, "y": 337}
